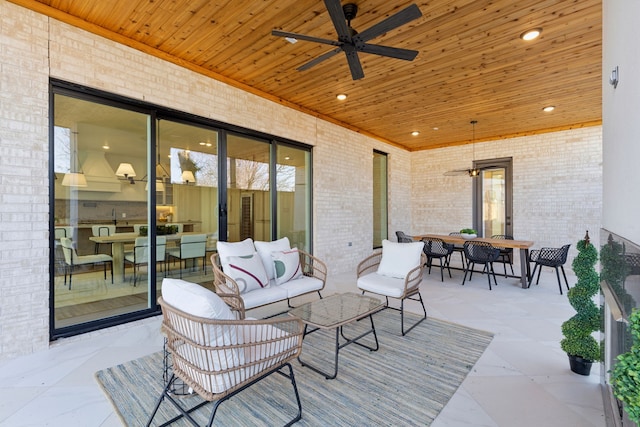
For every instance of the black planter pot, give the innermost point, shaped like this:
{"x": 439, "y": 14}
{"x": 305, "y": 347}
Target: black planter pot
{"x": 579, "y": 365}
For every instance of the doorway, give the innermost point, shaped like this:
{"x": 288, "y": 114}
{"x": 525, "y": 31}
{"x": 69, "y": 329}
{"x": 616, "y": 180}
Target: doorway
{"x": 493, "y": 197}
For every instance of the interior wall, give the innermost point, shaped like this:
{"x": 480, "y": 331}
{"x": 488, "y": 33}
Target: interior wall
{"x": 621, "y": 127}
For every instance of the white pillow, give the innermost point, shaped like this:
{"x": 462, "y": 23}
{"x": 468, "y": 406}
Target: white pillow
{"x": 248, "y": 272}
{"x": 286, "y": 265}
{"x": 227, "y": 249}
{"x": 265, "y": 249}
{"x": 195, "y": 299}
{"x": 398, "y": 259}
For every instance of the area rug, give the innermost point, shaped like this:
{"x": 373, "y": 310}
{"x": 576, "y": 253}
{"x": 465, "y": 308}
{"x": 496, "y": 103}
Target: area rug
{"x": 406, "y": 382}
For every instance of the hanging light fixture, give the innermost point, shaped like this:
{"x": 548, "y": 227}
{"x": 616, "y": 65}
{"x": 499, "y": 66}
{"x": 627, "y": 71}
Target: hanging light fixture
{"x": 126, "y": 170}
{"x": 473, "y": 172}
{"x": 75, "y": 177}
{"x": 187, "y": 177}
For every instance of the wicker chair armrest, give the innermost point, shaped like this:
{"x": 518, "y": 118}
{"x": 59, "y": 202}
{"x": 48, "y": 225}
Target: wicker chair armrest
{"x": 226, "y": 287}
{"x": 312, "y": 266}
{"x": 414, "y": 278}
{"x": 369, "y": 264}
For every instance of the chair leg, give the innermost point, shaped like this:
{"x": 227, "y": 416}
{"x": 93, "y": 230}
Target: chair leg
{"x": 559, "y": 282}
{"x": 533, "y": 273}
{"x": 404, "y": 332}
{"x": 441, "y": 270}
{"x": 565, "y": 277}
{"x": 538, "y": 279}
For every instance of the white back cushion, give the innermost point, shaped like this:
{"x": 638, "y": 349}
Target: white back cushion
{"x": 195, "y": 299}
{"x": 228, "y": 249}
{"x": 266, "y": 248}
{"x": 398, "y": 259}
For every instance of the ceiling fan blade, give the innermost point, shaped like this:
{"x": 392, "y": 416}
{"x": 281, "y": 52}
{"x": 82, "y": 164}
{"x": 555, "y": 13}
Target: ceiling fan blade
{"x": 404, "y": 16}
{"x": 457, "y": 172}
{"x": 354, "y": 65}
{"x": 391, "y": 52}
{"x": 319, "y": 59}
{"x": 339, "y": 20}
{"x": 297, "y": 36}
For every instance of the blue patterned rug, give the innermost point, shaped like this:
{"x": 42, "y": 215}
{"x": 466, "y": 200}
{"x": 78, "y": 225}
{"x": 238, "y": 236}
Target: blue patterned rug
{"x": 406, "y": 382}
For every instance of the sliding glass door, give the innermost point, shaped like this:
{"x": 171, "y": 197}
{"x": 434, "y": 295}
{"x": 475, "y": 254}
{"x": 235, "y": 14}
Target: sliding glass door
{"x": 493, "y": 197}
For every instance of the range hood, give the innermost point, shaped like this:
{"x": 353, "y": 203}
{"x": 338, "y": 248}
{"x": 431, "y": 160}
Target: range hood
{"x": 100, "y": 176}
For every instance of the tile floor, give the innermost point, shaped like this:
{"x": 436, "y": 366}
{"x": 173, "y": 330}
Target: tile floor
{"x": 522, "y": 379}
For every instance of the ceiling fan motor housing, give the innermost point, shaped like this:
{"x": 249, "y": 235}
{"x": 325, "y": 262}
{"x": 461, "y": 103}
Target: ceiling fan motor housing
{"x": 350, "y": 11}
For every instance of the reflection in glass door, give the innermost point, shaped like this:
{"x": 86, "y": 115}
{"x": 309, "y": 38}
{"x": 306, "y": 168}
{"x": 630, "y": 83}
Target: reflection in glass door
{"x": 493, "y": 198}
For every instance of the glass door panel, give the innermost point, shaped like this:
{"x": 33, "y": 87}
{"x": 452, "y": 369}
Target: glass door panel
{"x": 294, "y": 195}
{"x": 248, "y": 189}
{"x": 100, "y": 157}
{"x": 493, "y": 195}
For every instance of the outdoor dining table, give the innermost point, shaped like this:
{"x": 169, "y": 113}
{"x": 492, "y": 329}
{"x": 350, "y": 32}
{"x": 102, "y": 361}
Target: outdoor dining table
{"x": 523, "y": 245}
{"x": 118, "y": 240}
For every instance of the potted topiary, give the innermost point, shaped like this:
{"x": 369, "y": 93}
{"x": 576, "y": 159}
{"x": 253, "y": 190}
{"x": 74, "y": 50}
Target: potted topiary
{"x": 468, "y": 233}
{"x": 581, "y": 347}
{"x": 625, "y": 377}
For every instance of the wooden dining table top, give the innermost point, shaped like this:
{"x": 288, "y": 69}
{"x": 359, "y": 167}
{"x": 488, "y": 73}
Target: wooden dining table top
{"x": 458, "y": 240}
{"x": 130, "y": 237}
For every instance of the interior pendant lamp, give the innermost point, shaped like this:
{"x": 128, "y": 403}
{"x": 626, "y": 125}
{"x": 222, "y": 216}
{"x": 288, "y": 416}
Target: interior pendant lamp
{"x": 187, "y": 177}
{"x": 473, "y": 172}
{"x": 126, "y": 170}
{"x": 75, "y": 177}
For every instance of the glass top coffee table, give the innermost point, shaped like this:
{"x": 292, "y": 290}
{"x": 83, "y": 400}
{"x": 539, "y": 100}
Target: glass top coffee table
{"x": 337, "y": 311}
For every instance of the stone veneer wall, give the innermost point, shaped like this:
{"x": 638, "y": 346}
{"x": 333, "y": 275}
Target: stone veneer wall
{"x": 557, "y": 186}
{"x": 34, "y": 48}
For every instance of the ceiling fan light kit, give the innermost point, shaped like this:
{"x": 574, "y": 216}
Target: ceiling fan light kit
{"x": 351, "y": 42}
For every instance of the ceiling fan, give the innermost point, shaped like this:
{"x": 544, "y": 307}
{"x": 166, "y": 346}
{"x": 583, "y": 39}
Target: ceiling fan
{"x": 351, "y": 42}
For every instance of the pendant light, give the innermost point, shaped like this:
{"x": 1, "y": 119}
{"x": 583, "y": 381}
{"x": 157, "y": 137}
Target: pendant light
{"x": 75, "y": 177}
{"x": 473, "y": 172}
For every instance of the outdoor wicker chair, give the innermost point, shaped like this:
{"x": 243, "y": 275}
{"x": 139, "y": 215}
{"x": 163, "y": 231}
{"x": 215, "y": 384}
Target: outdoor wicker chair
{"x": 435, "y": 248}
{"x": 506, "y": 254}
{"x": 550, "y": 257}
{"x": 480, "y": 253}
{"x": 370, "y": 279}
{"x": 219, "y": 356}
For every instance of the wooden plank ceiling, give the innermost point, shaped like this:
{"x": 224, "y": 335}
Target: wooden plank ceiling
{"x": 471, "y": 65}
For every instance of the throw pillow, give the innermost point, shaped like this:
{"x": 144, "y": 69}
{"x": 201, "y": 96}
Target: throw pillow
{"x": 286, "y": 265}
{"x": 398, "y": 259}
{"x": 248, "y": 272}
{"x": 227, "y": 249}
{"x": 266, "y": 248}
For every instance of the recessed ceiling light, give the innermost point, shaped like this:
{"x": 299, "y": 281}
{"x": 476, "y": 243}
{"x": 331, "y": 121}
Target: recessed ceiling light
{"x": 106, "y": 146}
{"x": 531, "y": 34}
{"x": 415, "y": 133}
{"x": 436, "y": 128}
{"x": 287, "y": 158}
{"x": 202, "y": 143}
{"x": 341, "y": 97}
{"x": 548, "y": 108}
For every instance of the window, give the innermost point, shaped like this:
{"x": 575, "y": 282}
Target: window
{"x": 380, "y": 230}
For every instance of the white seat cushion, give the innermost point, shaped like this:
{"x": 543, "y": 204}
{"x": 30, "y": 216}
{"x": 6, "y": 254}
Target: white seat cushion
{"x": 382, "y": 285}
{"x": 398, "y": 259}
{"x": 266, "y": 248}
{"x": 301, "y": 286}
{"x": 263, "y": 296}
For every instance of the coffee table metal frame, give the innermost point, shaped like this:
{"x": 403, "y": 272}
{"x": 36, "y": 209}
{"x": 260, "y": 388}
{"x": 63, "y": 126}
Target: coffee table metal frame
{"x": 336, "y": 311}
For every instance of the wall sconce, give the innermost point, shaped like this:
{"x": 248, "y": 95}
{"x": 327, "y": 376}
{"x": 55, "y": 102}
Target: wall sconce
{"x": 187, "y": 177}
{"x": 126, "y": 170}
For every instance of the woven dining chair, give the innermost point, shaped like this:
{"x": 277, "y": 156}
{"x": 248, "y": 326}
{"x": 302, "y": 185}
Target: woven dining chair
{"x": 480, "y": 253}
{"x": 550, "y": 257}
{"x": 506, "y": 254}
{"x": 435, "y": 248}
{"x": 458, "y": 248}
{"x": 403, "y": 238}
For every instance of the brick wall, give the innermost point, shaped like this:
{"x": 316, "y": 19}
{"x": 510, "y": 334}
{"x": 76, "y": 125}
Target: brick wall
{"x": 420, "y": 198}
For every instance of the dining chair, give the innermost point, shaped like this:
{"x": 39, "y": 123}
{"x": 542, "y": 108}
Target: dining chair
{"x": 506, "y": 254}
{"x": 102, "y": 230}
{"x": 72, "y": 260}
{"x": 140, "y": 254}
{"x": 435, "y": 248}
{"x": 403, "y": 238}
{"x": 458, "y": 248}
{"x": 480, "y": 253}
{"x": 550, "y": 257}
{"x": 191, "y": 247}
